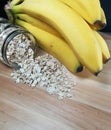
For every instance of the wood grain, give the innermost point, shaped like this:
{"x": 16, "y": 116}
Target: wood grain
{"x": 24, "y": 108}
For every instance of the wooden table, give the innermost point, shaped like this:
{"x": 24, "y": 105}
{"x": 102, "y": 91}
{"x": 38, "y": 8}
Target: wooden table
{"x": 24, "y": 108}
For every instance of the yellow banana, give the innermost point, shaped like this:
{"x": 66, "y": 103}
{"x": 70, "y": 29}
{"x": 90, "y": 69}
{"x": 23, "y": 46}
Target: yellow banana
{"x": 70, "y": 25}
{"x": 90, "y": 10}
{"x": 54, "y": 46}
{"x": 103, "y": 45}
{"x": 37, "y": 22}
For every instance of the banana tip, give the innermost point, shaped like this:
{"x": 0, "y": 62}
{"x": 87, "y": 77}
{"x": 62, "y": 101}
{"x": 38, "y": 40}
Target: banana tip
{"x": 99, "y": 24}
{"x": 97, "y": 73}
{"x": 107, "y": 60}
{"x": 80, "y": 68}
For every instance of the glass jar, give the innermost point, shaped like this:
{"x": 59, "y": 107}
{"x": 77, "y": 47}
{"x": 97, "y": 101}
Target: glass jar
{"x": 11, "y": 36}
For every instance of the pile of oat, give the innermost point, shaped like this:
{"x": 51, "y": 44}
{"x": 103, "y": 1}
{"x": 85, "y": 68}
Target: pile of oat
{"x": 44, "y": 71}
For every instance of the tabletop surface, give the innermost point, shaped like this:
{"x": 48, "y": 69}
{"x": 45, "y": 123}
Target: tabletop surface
{"x": 24, "y": 108}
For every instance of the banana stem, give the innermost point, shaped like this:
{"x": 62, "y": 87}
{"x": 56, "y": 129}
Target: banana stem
{"x": 17, "y": 9}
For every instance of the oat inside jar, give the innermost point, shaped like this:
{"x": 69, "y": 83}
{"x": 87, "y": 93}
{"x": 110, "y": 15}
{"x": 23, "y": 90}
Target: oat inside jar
{"x": 15, "y": 43}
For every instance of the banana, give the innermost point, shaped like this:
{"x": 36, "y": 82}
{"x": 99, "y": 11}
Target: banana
{"x": 90, "y": 10}
{"x": 70, "y": 25}
{"x": 103, "y": 45}
{"x": 54, "y": 46}
{"x": 37, "y": 22}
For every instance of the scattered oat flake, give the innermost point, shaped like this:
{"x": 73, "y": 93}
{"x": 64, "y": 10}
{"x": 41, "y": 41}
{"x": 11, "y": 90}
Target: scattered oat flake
{"x": 44, "y": 71}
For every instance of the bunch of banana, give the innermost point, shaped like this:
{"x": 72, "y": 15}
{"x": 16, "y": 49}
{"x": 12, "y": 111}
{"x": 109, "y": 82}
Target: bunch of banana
{"x": 66, "y": 29}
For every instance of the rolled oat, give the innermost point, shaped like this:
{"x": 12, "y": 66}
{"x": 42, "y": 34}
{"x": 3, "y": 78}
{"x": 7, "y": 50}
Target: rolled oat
{"x": 43, "y": 71}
